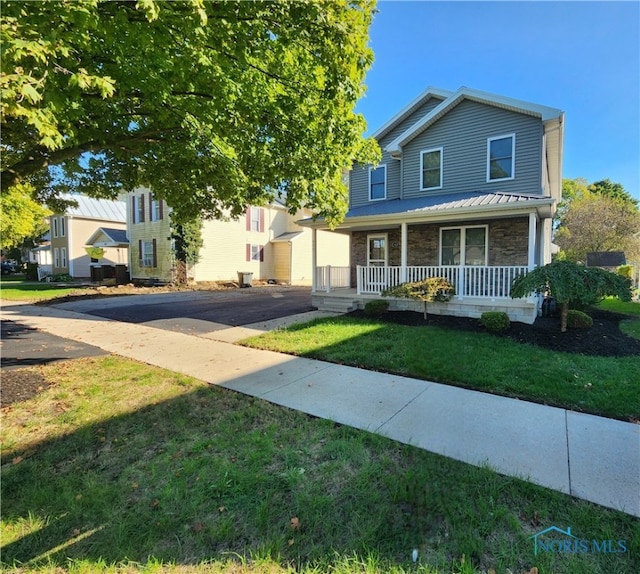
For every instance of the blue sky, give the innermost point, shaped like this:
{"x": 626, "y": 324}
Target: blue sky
{"x": 581, "y": 57}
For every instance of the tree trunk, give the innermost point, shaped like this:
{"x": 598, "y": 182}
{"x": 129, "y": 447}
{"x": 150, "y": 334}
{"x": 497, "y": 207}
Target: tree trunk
{"x": 564, "y": 312}
{"x": 426, "y": 318}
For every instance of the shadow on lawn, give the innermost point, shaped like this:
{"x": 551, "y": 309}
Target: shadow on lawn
{"x": 204, "y": 476}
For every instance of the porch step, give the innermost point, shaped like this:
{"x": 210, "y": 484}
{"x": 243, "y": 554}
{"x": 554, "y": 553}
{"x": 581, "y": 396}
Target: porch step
{"x": 335, "y": 304}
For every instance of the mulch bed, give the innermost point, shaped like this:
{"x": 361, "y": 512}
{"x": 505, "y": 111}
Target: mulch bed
{"x": 603, "y": 339}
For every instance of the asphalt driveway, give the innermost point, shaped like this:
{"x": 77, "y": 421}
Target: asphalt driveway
{"x": 200, "y": 312}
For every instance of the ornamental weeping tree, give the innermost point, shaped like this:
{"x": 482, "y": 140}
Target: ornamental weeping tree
{"x": 428, "y": 291}
{"x": 571, "y": 284}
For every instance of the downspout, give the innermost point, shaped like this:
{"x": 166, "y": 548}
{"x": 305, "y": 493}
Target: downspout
{"x": 68, "y": 227}
{"x": 531, "y": 263}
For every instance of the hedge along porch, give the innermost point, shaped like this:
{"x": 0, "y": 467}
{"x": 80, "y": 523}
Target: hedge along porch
{"x": 480, "y": 243}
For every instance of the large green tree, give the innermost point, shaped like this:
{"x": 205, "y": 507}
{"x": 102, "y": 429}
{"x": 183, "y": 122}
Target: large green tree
{"x": 215, "y": 105}
{"x": 22, "y": 217}
{"x": 599, "y": 216}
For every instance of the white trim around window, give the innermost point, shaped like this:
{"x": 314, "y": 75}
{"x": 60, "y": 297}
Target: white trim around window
{"x": 468, "y": 252}
{"x": 432, "y": 169}
{"x": 63, "y": 257}
{"x": 500, "y": 160}
{"x": 54, "y": 227}
{"x": 383, "y": 245}
{"x": 379, "y": 184}
{"x": 56, "y": 257}
{"x": 63, "y": 226}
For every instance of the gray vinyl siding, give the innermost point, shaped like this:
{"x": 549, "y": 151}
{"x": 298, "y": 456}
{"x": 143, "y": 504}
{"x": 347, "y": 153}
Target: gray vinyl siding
{"x": 359, "y": 175}
{"x": 463, "y": 133}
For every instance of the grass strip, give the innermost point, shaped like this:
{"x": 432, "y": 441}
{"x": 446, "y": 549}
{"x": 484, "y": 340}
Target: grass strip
{"x": 135, "y": 469}
{"x": 599, "y": 385}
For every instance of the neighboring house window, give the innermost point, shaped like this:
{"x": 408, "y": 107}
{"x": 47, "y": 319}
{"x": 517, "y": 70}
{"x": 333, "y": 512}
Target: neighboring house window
{"x": 378, "y": 183}
{"x": 137, "y": 208}
{"x": 463, "y": 245}
{"x": 54, "y": 225}
{"x": 255, "y": 252}
{"x": 377, "y": 250}
{"x": 431, "y": 169}
{"x": 56, "y": 257}
{"x": 155, "y": 209}
{"x": 501, "y": 157}
{"x": 63, "y": 226}
{"x": 255, "y": 219}
{"x": 63, "y": 257}
{"x": 148, "y": 253}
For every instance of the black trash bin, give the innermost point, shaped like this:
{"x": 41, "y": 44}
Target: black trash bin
{"x": 245, "y": 278}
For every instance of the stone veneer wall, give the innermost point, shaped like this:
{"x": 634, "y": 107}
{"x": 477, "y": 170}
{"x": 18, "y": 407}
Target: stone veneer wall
{"x": 508, "y": 243}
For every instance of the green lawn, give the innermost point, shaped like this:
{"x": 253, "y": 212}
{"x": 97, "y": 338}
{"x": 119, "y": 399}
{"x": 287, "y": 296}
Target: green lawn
{"x": 136, "y": 469}
{"x": 600, "y": 385}
{"x": 625, "y": 307}
{"x": 14, "y": 288}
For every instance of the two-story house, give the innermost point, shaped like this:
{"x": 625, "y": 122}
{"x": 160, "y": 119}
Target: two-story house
{"x": 74, "y": 230}
{"x": 266, "y": 242}
{"x": 466, "y": 189}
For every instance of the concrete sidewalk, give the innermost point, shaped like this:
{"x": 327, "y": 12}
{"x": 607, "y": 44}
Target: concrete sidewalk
{"x": 590, "y": 457}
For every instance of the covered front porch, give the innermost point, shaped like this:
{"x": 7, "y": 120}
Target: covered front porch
{"x": 480, "y": 251}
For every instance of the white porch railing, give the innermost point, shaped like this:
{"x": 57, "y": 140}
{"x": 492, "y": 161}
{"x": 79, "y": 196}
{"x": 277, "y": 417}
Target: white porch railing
{"x": 469, "y": 281}
{"x": 329, "y": 277}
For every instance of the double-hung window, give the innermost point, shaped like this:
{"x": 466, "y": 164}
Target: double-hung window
{"x": 501, "y": 157}
{"x": 56, "y": 257}
{"x": 431, "y": 169}
{"x": 156, "y": 209}
{"x": 147, "y": 254}
{"x": 54, "y": 225}
{"x": 63, "y": 257}
{"x": 463, "y": 245}
{"x": 378, "y": 183}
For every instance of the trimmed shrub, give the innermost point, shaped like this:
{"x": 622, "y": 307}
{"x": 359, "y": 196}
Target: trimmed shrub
{"x": 62, "y": 278}
{"x": 495, "y": 321}
{"x": 376, "y": 307}
{"x": 578, "y": 320}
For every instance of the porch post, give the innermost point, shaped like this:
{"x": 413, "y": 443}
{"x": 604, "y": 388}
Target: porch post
{"x": 532, "y": 241}
{"x": 314, "y": 259}
{"x": 403, "y": 252}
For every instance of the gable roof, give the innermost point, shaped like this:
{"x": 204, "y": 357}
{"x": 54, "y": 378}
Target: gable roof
{"x": 545, "y": 113}
{"x": 91, "y": 208}
{"x": 430, "y": 92}
{"x": 109, "y": 238}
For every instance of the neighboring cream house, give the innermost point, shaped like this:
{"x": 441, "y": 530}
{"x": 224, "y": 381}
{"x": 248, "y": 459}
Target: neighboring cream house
{"x": 266, "y": 242}
{"x": 71, "y": 231}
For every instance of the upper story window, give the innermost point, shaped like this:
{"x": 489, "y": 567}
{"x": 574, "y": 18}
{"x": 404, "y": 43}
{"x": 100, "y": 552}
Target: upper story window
{"x": 156, "y": 209}
{"x": 431, "y": 169}
{"x": 54, "y": 226}
{"x": 140, "y": 208}
{"x": 63, "y": 226}
{"x": 501, "y": 157}
{"x": 378, "y": 183}
{"x": 255, "y": 219}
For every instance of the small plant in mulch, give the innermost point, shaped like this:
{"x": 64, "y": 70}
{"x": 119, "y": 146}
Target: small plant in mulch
{"x": 376, "y": 307}
{"x": 495, "y": 321}
{"x": 578, "y": 320}
{"x": 428, "y": 291}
